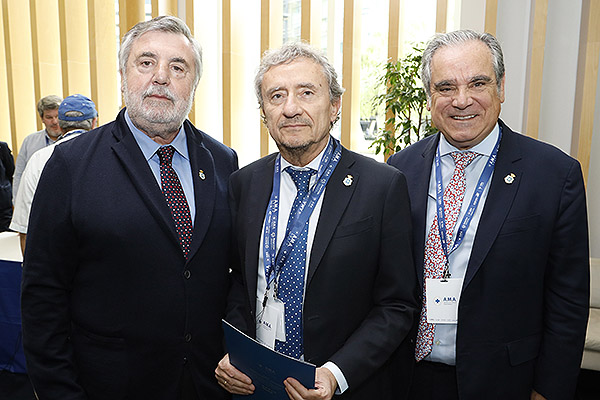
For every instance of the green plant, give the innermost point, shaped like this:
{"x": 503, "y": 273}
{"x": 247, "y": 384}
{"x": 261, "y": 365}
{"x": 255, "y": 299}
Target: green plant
{"x": 407, "y": 118}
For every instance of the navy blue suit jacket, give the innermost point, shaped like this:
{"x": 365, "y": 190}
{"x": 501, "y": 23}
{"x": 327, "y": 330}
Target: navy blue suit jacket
{"x": 524, "y": 304}
{"x": 361, "y": 291}
{"x": 111, "y": 308}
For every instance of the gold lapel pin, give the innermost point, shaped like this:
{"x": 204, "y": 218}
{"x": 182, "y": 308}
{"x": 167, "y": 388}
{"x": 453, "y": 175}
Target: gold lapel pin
{"x": 510, "y": 178}
{"x": 347, "y": 180}
{"x": 201, "y": 174}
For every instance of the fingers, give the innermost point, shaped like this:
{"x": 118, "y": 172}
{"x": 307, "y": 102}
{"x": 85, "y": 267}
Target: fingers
{"x": 231, "y": 379}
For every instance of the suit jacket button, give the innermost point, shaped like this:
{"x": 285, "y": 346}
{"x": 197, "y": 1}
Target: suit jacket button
{"x": 184, "y": 360}
{"x": 187, "y": 274}
{"x": 188, "y": 337}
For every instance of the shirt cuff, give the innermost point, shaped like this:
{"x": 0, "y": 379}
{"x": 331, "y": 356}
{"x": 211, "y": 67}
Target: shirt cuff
{"x": 339, "y": 377}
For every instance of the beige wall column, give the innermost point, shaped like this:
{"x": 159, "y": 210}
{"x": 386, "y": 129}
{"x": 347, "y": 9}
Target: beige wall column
{"x": 130, "y": 13}
{"x": 74, "y": 39}
{"x": 271, "y": 36}
{"x": 394, "y": 47}
{"x": 164, "y": 7}
{"x": 491, "y": 16}
{"x": 241, "y": 53}
{"x": 190, "y": 22}
{"x": 208, "y": 106}
{"x": 5, "y": 110}
{"x": 441, "y": 15}
{"x": 45, "y": 35}
{"x": 103, "y": 59}
{"x": 19, "y": 68}
{"x": 227, "y": 72}
{"x": 536, "y": 68}
{"x": 587, "y": 84}
{"x": 351, "y": 73}
{"x": 310, "y": 28}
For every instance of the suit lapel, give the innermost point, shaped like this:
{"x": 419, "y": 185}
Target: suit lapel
{"x": 337, "y": 196}
{"x": 259, "y": 192}
{"x": 499, "y": 200}
{"x": 204, "y": 178}
{"x": 138, "y": 170}
{"x": 419, "y": 200}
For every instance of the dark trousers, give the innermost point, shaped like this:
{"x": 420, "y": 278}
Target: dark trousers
{"x": 187, "y": 390}
{"x": 433, "y": 381}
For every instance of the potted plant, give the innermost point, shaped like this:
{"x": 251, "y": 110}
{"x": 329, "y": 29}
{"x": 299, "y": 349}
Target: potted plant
{"x": 405, "y": 101}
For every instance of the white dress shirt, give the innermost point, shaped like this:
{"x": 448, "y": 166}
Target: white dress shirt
{"x": 444, "y": 340}
{"x": 287, "y": 194}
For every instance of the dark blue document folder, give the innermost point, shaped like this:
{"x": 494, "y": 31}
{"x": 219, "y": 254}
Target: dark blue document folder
{"x": 267, "y": 368}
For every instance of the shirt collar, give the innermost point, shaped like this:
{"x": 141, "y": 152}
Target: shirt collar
{"x": 485, "y": 147}
{"x": 48, "y": 138}
{"x": 314, "y": 164}
{"x": 149, "y": 146}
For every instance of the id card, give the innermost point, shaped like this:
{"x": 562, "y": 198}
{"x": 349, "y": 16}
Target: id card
{"x": 443, "y": 296}
{"x": 270, "y": 323}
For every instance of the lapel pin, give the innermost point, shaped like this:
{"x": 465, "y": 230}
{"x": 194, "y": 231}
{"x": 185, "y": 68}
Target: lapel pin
{"x": 201, "y": 174}
{"x": 348, "y": 180}
{"x": 510, "y": 178}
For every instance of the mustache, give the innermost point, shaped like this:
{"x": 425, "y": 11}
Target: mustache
{"x": 158, "y": 91}
{"x": 295, "y": 121}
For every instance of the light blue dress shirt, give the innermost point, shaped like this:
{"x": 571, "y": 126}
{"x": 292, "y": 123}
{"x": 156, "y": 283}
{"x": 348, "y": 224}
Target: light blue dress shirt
{"x": 444, "y": 340}
{"x": 181, "y": 161}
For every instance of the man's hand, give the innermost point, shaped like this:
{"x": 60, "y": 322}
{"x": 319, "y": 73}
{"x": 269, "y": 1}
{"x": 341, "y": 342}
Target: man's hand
{"x": 536, "y": 396}
{"x": 325, "y": 384}
{"x": 231, "y": 379}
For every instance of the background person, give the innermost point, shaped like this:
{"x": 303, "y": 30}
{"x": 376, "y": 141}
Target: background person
{"x": 76, "y": 114}
{"x": 7, "y": 168}
{"x": 47, "y": 107}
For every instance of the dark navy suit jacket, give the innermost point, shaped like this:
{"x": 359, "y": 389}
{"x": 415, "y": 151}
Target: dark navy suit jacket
{"x": 524, "y": 304}
{"x": 361, "y": 290}
{"x": 111, "y": 308}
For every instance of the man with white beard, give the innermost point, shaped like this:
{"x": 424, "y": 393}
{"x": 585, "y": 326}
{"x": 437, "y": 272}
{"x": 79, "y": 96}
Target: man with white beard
{"x": 126, "y": 269}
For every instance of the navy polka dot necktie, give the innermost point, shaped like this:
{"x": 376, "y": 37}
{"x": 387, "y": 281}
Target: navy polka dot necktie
{"x": 173, "y": 191}
{"x": 290, "y": 287}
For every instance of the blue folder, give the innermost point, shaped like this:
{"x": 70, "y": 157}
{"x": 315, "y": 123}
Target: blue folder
{"x": 267, "y": 368}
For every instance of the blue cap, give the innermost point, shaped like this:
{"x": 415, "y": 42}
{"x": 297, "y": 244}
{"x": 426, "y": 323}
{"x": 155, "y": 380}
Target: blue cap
{"x": 77, "y": 102}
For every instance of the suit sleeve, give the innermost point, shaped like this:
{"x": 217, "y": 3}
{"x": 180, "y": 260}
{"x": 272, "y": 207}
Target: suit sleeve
{"x": 395, "y": 293}
{"x": 566, "y": 294}
{"x": 238, "y": 311}
{"x": 49, "y": 269}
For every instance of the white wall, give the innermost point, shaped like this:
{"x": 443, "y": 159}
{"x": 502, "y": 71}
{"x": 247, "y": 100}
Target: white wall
{"x": 513, "y": 32}
{"x": 560, "y": 73}
{"x": 593, "y": 185}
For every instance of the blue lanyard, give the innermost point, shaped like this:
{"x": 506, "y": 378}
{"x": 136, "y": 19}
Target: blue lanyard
{"x": 274, "y": 261}
{"x": 466, "y": 221}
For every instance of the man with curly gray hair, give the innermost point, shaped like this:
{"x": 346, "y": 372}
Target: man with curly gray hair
{"x": 338, "y": 284}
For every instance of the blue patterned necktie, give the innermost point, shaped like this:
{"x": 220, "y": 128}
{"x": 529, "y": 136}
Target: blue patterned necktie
{"x": 290, "y": 287}
{"x": 173, "y": 192}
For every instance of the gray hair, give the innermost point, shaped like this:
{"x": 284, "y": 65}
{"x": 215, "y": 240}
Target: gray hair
{"x": 67, "y": 126}
{"x": 460, "y": 37}
{"x": 48, "y": 103}
{"x": 164, "y": 23}
{"x": 288, "y": 53}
